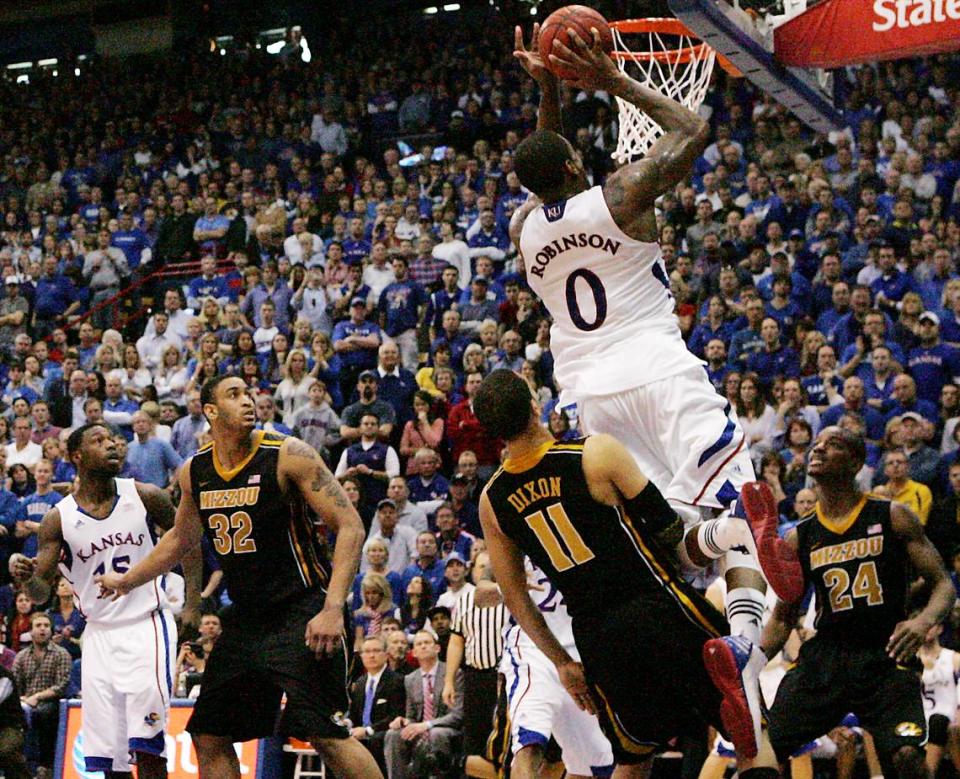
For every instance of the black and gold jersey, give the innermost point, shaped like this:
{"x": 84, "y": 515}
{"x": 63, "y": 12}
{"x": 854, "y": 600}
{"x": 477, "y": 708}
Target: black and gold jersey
{"x": 264, "y": 538}
{"x": 595, "y": 554}
{"x": 860, "y": 572}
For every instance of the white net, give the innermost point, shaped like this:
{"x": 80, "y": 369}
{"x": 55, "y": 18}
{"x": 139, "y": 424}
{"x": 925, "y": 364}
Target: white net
{"x": 674, "y": 63}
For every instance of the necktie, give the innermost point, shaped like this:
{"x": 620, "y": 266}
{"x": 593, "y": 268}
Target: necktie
{"x": 428, "y": 698}
{"x": 368, "y": 703}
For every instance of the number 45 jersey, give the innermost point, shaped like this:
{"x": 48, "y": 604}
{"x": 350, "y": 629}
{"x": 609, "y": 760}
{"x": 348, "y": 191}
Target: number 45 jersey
{"x": 116, "y": 543}
{"x": 860, "y": 571}
{"x": 614, "y": 326}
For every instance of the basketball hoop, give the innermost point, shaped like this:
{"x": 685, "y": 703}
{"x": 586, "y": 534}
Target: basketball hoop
{"x": 667, "y": 57}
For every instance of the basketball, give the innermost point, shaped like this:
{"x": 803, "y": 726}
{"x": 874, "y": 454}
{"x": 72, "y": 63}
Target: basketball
{"x": 572, "y": 17}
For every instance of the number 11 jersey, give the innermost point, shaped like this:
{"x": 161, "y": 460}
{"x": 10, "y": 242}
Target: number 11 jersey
{"x": 614, "y": 326}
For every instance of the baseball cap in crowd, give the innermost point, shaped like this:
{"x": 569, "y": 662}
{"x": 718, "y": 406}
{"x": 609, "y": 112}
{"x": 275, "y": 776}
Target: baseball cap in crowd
{"x": 368, "y": 375}
{"x": 929, "y": 316}
{"x": 454, "y": 557}
{"x": 386, "y": 502}
{"x": 912, "y": 415}
{"x": 457, "y": 114}
{"x": 358, "y": 302}
{"x": 873, "y": 218}
{"x": 12, "y": 280}
{"x": 796, "y": 234}
{"x": 459, "y": 478}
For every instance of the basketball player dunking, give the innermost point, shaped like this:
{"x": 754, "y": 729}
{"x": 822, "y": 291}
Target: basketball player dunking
{"x": 858, "y": 553}
{"x": 249, "y": 492}
{"x": 591, "y": 254}
{"x": 129, "y": 646}
{"x": 582, "y": 511}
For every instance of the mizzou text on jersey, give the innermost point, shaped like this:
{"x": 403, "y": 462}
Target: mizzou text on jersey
{"x": 623, "y": 596}
{"x": 266, "y": 546}
{"x": 859, "y": 571}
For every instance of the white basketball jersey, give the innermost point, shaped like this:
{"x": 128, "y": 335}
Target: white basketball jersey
{"x": 550, "y": 602}
{"x": 940, "y": 687}
{"x": 609, "y": 296}
{"x": 94, "y": 546}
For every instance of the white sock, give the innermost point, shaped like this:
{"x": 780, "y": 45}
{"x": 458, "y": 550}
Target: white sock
{"x": 716, "y": 537}
{"x": 745, "y": 608}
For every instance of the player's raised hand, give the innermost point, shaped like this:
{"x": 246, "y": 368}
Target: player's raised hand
{"x": 907, "y": 638}
{"x": 573, "y": 679}
{"x": 325, "y": 631}
{"x": 593, "y": 66}
{"x": 112, "y": 585}
{"x": 530, "y": 57}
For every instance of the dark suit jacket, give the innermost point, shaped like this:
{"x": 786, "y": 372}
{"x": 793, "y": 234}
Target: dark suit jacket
{"x": 388, "y": 702}
{"x": 443, "y": 717}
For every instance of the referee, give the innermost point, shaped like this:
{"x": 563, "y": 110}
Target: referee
{"x": 476, "y": 641}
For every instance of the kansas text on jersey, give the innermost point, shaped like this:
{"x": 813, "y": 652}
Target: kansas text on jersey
{"x": 263, "y": 536}
{"x": 595, "y": 554}
{"x": 859, "y": 570}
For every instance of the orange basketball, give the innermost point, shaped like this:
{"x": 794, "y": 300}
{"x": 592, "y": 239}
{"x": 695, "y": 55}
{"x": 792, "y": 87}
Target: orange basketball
{"x": 572, "y": 17}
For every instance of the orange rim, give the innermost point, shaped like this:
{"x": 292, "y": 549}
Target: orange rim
{"x": 667, "y": 26}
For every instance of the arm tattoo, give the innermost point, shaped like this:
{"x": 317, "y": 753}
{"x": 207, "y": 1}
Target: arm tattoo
{"x": 299, "y": 448}
{"x": 324, "y": 481}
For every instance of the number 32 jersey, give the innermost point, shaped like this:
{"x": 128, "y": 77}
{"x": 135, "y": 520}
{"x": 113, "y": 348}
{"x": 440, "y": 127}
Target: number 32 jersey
{"x": 614, "y": 326}
{"x": 92, "y": 547}
{"x": 263, "y": 537}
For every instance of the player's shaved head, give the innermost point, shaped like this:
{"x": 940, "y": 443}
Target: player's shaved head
{"x": 503, "y": 404}
{"x": 540, "y": 161}
{"x": 75, "y": 441}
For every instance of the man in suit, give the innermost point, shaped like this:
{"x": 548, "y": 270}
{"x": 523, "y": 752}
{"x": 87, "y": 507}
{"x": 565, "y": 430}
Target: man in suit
{"x": 429, "y": 733}
{"x": 376, "y": 698}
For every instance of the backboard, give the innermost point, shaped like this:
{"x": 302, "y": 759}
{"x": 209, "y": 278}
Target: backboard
{"x": 747, "y": 41}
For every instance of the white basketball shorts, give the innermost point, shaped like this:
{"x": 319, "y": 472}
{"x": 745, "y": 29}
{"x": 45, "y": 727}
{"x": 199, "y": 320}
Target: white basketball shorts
{"x": 126, "y": 677}
{"x": 540, "y": 707}
{"x": 684, "y": 436}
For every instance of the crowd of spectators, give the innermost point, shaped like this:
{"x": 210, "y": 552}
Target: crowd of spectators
{"x": 336, "y": 234}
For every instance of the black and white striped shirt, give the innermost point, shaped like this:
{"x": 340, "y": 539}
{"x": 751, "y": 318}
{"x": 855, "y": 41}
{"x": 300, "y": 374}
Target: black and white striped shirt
{"x": 481, "y": 630}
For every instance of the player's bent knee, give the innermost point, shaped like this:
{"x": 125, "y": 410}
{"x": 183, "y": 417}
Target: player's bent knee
{"x": 210, "y": 747}
{"x": 527, "y": 762}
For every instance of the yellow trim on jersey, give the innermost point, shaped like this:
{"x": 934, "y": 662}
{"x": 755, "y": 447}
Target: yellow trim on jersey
{"x": 205, "y": 448}
{"x": 844, "y": 524}
{"x": 627, "y": 743}
{"x": 527, "y": 461}
{"x": 226, "y": 474}
{"x": 685, "y": 602}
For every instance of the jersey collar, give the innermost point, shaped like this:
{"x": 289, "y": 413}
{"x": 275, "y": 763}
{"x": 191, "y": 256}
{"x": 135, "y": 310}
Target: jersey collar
{"x": 527, "y": 461}
{"x": 228, "y": 474}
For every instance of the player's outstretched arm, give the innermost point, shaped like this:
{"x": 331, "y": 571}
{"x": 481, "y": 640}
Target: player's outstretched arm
{"x": 170, "y": 550}
{"x": 301, "y": 465}
{"x": 39, "y": 574}
{"x": 507, "y": 561}
{"x": 161, "y": 510}
{"x": 614, "y": 478}
{"x": 548, "y": 115}
{"x": 633, "y": 188}
{"x": 927, "y": 563}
